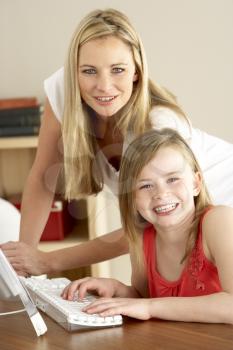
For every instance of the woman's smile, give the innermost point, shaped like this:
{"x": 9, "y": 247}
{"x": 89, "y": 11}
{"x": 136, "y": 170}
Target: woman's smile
{"x": 105, "y": 100}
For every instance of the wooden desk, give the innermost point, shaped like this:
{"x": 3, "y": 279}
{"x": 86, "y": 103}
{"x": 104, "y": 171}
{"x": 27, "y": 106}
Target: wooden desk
{"x": 16, "y": 333}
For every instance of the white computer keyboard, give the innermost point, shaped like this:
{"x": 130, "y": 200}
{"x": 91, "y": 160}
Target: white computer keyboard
{"x": 46, "y": 295}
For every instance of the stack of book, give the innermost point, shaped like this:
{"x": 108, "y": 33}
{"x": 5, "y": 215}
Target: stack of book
{"x": 19, "y": 116}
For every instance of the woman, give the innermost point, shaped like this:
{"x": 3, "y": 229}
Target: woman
{"x": 93, "y": 110}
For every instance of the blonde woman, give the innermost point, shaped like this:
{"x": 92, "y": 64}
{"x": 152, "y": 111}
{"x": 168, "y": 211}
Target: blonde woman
{"x": 181, "y": 246}
{"x": 95, "y": 106}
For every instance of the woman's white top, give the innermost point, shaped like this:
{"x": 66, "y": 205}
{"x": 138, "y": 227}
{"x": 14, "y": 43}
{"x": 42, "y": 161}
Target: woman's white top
{"x": 214, "y": 155}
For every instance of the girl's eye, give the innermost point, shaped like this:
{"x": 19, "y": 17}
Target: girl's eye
{"x": 89, "y": 71}
{"x": 146, "y": 187}
{"x": 117, "y": 70}
{"x": 172, "y": 179}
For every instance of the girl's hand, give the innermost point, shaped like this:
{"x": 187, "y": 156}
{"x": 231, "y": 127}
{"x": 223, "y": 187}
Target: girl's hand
{"x": 132, "y": 307}
{"x": 104, "y": 287}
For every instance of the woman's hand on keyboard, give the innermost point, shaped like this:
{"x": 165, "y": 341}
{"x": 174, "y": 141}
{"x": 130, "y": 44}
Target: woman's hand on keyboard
{"x": 104, "y": 287}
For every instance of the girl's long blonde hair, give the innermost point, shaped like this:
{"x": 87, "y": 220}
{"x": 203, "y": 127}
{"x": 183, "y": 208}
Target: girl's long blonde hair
{"x": 139, "y": 153}
{"x": 82, "y": 173}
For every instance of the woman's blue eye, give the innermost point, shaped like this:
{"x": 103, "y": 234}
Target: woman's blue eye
{"x": 118, "y": 70}
{"x": 89, "y": 71}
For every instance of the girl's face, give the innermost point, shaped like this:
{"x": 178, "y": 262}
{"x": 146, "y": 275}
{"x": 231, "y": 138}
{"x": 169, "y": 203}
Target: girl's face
{"x": 106, "y": 73}
{"x": 165, "y": 189}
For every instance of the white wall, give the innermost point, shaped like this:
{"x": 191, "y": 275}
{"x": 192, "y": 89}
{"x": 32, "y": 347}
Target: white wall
{"x": 189, "y": 45}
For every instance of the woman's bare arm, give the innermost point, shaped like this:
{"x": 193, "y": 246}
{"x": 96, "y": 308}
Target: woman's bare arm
{"x": 41, "y": 183}
{"x": 29, "y": 260}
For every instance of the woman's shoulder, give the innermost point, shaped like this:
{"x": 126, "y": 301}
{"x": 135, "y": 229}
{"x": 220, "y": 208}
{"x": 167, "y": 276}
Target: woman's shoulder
{"x": 164, "y": 117}
{"x": 54, "y": 89}
{"x": 56, "y": 77}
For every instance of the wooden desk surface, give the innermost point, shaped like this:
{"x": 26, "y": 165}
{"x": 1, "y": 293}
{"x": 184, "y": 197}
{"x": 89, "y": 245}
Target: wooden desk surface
{"x": 16, "y": 333}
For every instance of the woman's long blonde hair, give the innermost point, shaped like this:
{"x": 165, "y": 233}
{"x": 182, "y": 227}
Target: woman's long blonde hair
{"x": 82, "y": 173}
{"x": 139, "y": 153}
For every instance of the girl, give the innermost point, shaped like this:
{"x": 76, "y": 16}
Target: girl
{"x": 181, "y": 246}
{"x": 94, "y": 107}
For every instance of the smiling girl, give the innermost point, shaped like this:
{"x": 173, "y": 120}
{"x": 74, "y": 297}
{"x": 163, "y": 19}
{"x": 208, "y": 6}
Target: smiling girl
{"x": 181, "y": 245}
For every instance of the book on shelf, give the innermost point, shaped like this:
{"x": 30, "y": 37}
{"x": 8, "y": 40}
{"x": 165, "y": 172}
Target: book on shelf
{"x": 19, "y": 131}
{"x": 29, "y": 116}
{"x": 18, "y": 102}
{"x": 20, "y": 116}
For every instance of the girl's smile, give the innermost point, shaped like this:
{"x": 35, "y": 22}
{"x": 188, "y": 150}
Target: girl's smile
{"x": 165, "y": 209}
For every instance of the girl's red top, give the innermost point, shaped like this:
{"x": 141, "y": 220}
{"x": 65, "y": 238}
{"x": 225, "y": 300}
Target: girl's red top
{"x": 199, "y": 276}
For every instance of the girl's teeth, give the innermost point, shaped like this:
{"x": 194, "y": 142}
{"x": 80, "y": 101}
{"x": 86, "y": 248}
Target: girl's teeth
{"x": 165, "y": 208}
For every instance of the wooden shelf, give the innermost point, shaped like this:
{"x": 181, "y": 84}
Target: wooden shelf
{"x": 18, "y": 142}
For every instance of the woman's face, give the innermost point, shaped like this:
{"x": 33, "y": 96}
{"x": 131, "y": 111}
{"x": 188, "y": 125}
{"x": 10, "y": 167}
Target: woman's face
{"x": 106, "y": 73}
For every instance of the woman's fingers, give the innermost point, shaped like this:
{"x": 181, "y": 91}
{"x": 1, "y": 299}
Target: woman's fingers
{"x": 17, "y": 255}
